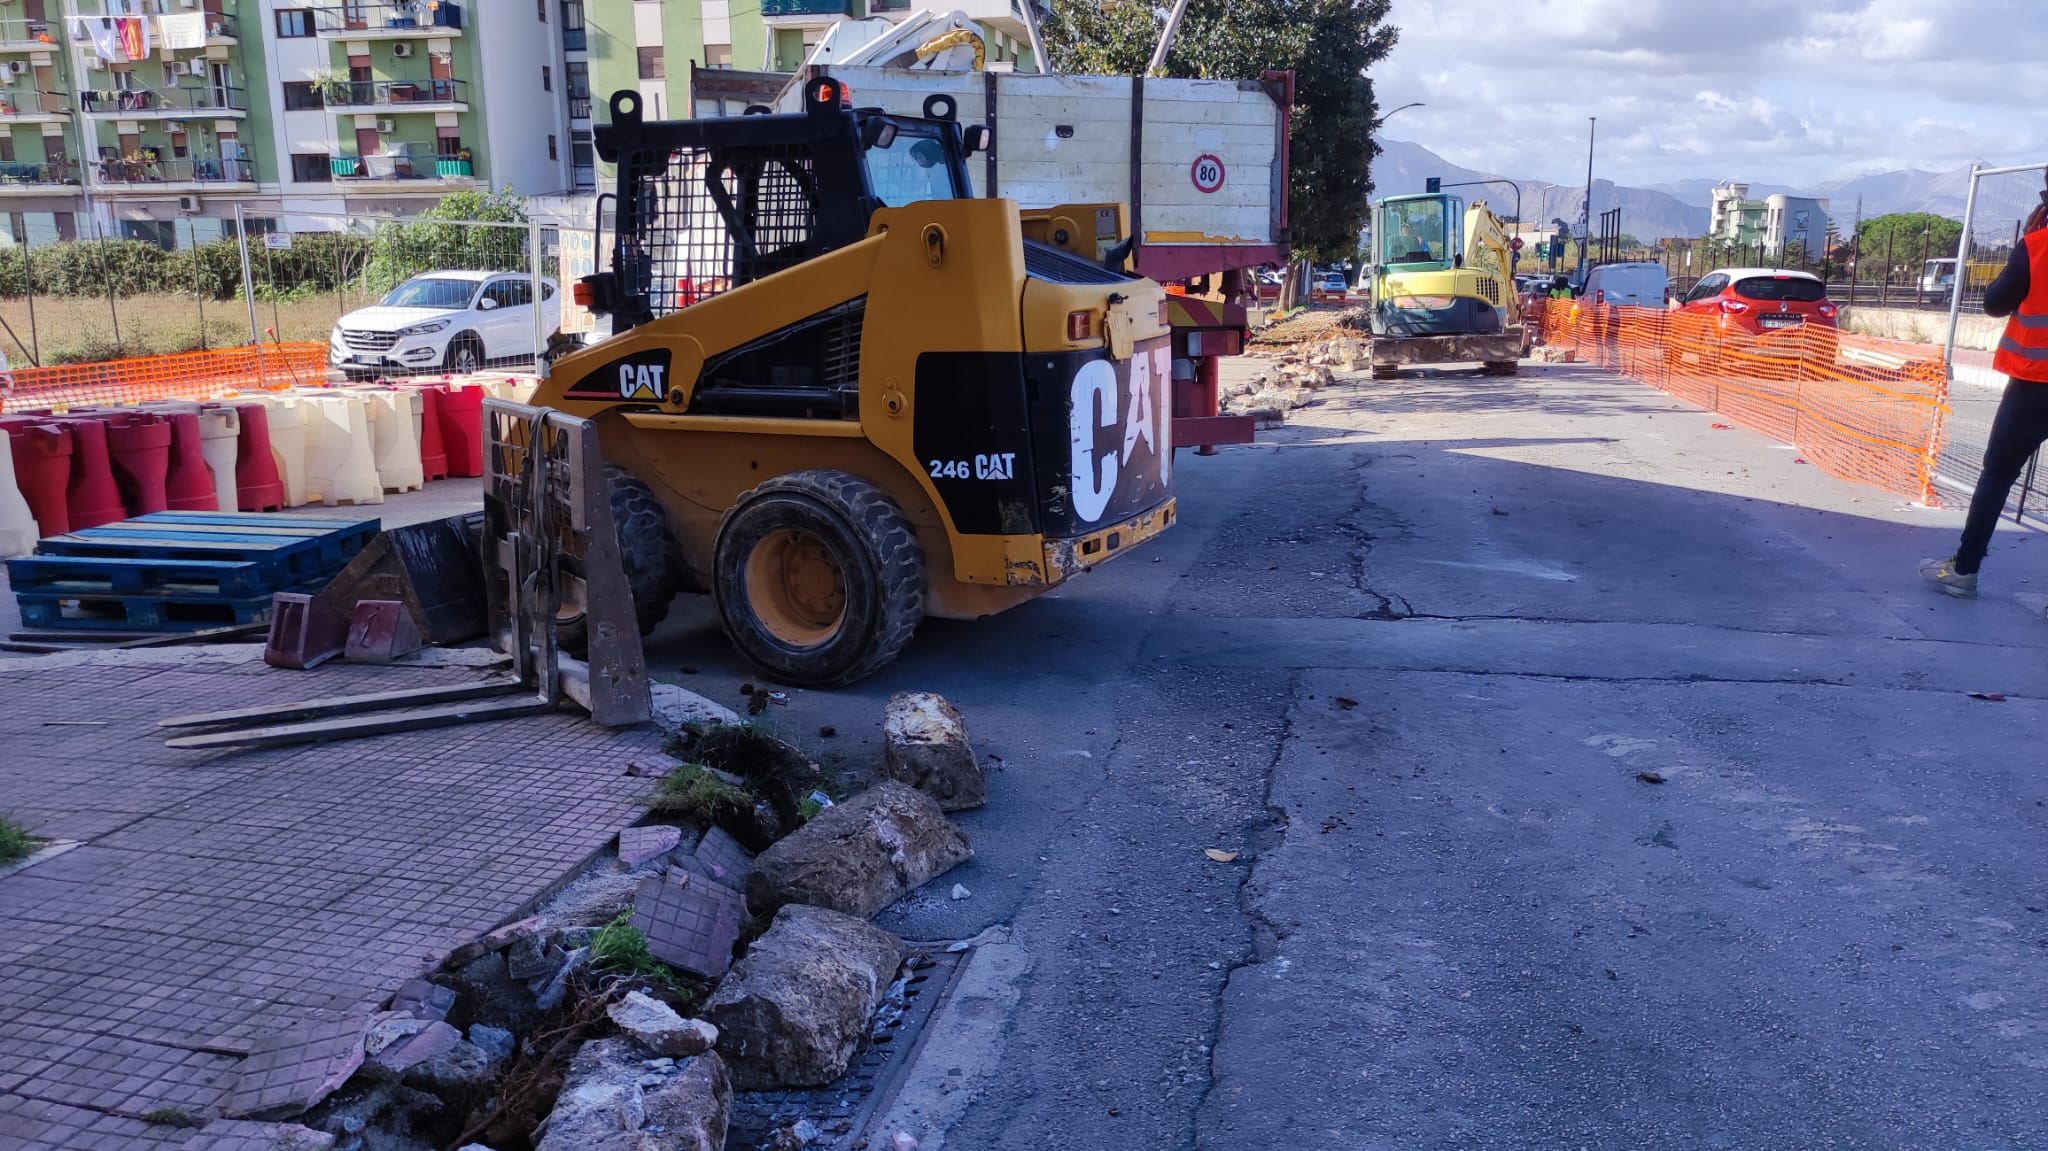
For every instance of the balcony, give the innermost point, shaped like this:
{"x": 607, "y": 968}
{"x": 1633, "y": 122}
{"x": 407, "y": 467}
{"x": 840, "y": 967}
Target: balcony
{"x": 156, "y": 177}
{"x": 397, "y": 20}
{"x": 223, "y": 28}
{"x": 804, "y": 13}
{"x": 401, "y": 95}
{"x": 19, "y": 35}
{"x": 575, "y": 40}
{"x": 402, "y": 171}
{"x": 164, "y": 103}
{"x": 579, "y": 107}
{"x": 37, "y": 179}
{"x": 34, "y": 107}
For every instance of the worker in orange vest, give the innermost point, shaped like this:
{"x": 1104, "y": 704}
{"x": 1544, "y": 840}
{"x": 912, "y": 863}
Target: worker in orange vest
{"x": 2021, "y": 426}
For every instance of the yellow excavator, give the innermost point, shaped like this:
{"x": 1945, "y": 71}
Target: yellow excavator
{"x": 1441, "y": 292}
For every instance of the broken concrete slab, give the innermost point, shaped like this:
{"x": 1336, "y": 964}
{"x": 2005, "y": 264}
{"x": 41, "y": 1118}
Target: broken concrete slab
{"x": 925, "y": 745}
{"x": 394, "y": 1060}
{"x": 657, "y": 1027}
{"x": 243, "y": 1135}
{"x": 612, "y": 1100}
{"x": 497, "y": 940}
{"x": 676, "y": 708}
{"x": 423, "y": 1000}
{"x": 860, "y": 856}
{"x": 391, "y": 1027}
{"x": 458, "y": 1069}
{"x": 720, "y": 859}
{"x": 689, "y": 922}
{"x": 291, "y": 1070}
{"x": 532, "y": 958}
{"x": 637, "y": 845}
{"x": 495, "y": 1042}
{"x": 792, "y": 1013}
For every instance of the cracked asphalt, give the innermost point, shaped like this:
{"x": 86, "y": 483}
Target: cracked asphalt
{"x": 1599, "y": 779}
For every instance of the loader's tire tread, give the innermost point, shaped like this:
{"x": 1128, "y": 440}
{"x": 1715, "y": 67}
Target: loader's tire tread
{"x": 647, "y": 547}
{"x": 881, "y": 562}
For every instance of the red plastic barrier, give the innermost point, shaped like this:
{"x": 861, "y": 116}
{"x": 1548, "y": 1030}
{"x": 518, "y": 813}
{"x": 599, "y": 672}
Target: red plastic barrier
{"x": 140, "y": 447}
{"x": 433, "y": 445}
{"x": 462, "y": 431}
{"x": 91, "y": 496}
{"x": 188, "y": 482}
{"x": 257, "y": 484}
{"x": 42, "y": 469}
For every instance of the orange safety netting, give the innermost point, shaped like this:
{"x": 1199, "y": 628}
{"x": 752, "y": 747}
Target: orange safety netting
{"x": 1863, "y": 409}
{"x": 185, "y": 376}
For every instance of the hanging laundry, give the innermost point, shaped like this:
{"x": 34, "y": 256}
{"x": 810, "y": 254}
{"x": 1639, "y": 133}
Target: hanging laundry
{"x": 134, "y": 37}
{"x": 106, "y": 41}
{"x": 181, "y": 32}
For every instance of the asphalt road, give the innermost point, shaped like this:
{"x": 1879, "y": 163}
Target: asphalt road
{"x": 1412, "y": 657}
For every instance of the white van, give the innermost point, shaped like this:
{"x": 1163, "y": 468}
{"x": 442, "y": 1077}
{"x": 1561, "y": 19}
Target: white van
{"x": 1631, "y": 285}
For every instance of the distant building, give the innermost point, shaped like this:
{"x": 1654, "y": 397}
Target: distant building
{"x": 1772, "y": 222}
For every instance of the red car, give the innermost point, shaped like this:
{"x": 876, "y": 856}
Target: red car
{"x": 1731, "y": 303}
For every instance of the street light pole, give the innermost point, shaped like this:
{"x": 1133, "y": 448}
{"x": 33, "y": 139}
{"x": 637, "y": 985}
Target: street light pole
{"x": 1390, "y": 115}
{"x": 1586, "y": 217}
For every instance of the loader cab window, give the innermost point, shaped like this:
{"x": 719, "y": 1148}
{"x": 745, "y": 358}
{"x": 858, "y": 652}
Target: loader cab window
{"x": 1419, "y": 231}
{"x": 914, "y": 164}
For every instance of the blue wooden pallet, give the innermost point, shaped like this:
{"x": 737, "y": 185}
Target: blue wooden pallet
{"x": 139, "y": 613}
{"x": 287, "y": 551}
{"x": 115, "y": 576}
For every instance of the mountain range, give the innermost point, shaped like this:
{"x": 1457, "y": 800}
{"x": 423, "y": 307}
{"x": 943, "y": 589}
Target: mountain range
{"x": 1677, "y": 208}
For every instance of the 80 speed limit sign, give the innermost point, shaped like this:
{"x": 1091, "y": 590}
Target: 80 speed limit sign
{"x": 1207, "y": 173}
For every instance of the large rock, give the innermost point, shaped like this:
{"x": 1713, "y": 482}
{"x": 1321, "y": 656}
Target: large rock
{"x": 925, "y": 746}
{"x": 860, "y": 856}
{"x": 793, "y": 1011}
{"x": 655, "y": 1026}
{"x": 616, "y": 1099}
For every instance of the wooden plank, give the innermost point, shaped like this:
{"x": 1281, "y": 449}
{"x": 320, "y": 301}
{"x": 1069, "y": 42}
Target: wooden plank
{"x": 347, "y": 704}
{"x": 360, "y": 726}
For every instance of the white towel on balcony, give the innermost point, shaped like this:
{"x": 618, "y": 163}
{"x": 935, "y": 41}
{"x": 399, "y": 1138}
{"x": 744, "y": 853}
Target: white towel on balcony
{"x": 106, "y": 40}
{"x": 185, "y": 30}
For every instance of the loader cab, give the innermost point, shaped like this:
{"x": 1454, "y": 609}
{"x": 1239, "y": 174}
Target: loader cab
{"x": 1420, "y": 233}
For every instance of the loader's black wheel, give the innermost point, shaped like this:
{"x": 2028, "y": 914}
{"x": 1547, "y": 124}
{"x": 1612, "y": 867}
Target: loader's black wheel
{"x": 648, "y": 551}
{"x": 818, "y": 578}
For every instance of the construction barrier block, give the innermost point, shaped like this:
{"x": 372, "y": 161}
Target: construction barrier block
{"x": 188, "y": 482}
{"x": 341, "y": 466}
{"x": 42, "y": 469}
{"x": 258, "y": 488}
{"x": 139, "y": 446}
{"x": 288, "y": 441}
{"x": 17, "y": 522}
{"x": 433, "y": 452}
{"x": 394, "y": 436}
{"x": 462, "y": 429}
{"x": 220, "y": 431}
{"x": 91, "y": 497}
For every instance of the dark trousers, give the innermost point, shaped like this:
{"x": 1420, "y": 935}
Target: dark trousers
{"x": 2017, "y": 432}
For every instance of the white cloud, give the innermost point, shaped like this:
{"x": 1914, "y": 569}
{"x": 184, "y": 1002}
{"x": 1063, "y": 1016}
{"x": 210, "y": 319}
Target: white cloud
{"x": 1757, "y": 89}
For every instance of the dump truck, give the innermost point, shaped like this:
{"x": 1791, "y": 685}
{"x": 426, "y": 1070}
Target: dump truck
{"x": 1441, "y": 292}
{"x": 842, "y": 394}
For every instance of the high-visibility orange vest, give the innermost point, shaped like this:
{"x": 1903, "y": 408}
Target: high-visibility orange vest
{"x": 2023, "y": 353}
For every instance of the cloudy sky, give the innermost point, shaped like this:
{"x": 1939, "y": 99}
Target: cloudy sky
{"x": 1787, "y": 91}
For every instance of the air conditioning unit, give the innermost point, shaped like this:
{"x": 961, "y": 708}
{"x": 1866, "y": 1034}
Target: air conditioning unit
{"x": 402, "y": 50}
{"x": 188, "y": 203}
{"x": 95, "y": 64}
{"x": 199, "y": 67}
{"x": 386, "y": 127}
{"x": 17, "y": 67}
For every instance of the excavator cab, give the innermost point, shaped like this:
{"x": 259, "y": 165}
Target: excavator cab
{"x": 1440, "y": 290}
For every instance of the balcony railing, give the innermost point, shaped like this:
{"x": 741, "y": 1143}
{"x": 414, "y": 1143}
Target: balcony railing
{"x": 396, "y": 93}
{"x": 16, "y": 30}
{"x": 175, "y": 172}
{"x": 223, "y": 26}
{"x": 14, "y": 175}
{"x": 399, "y": 14}
{"x": 806, "y": 7}
{"x": 203, "y": 98}
{"x": 400, "y": 166}
{"x": 579, "y": 107}
{"x": 575, "y": 40}
{"x": 33, "y": 104}
{"x": 584, "y": 175}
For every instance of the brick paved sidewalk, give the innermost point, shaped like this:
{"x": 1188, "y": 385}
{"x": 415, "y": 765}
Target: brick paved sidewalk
{"x": 217, "y": 897}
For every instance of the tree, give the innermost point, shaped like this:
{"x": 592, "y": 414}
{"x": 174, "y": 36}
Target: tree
{"x": 1327, "y": 44}
{"x": 1906, "y": 235}
{"x": 425, "y": 245}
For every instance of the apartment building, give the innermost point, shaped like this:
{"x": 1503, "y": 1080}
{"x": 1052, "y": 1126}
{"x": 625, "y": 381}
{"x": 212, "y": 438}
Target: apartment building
{"x": 1772, "y": 222}
{"x": 156, "y": 119}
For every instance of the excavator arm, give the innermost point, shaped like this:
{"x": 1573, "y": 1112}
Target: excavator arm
{"x": 1488, "y": 256}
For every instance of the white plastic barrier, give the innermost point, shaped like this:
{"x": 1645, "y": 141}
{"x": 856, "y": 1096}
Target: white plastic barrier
{"x": 341, "y": 466}
{"x": 395, "y": 436}
{"x": 288, "y": 445}
{"x": 17, "y": 524}
{"x": 219, "y": 429}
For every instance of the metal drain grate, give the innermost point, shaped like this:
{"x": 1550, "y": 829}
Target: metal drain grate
{"x": 847, "y": 1105}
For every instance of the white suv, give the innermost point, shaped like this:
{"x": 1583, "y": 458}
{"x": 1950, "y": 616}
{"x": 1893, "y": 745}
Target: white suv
{"x": 456, "y": 322}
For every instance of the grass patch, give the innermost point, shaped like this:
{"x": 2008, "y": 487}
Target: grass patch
{"x": 619, "y": 948}
{"x": 15, "y": 841}
{"x": 173, "y": 1117}
{"x": 691, "y": 791}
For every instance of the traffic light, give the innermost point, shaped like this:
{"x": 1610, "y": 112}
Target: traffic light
{"x": 1433, "y": 184}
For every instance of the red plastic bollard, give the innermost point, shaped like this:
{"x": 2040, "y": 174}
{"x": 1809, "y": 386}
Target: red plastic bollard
{"x": 462, "y": 430}
{"x": 188, "y": 482}
{"x": 91, "y": 496}
{"x": 257, "y": 485}
{"x": 139, "y": 443}
{"x": 433, "y": 449}
{"x": 42, "y": 469}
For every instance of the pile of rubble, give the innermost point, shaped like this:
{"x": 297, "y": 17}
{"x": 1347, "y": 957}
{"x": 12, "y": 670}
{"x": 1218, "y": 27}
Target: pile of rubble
{"x": 617, "y": 1018}
{"x": 1291, "y": 378}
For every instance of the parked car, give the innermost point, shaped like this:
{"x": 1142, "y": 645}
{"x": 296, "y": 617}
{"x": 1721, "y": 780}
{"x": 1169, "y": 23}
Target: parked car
{"x": 445, "y": 321}
{"x": 1330, "y": 286}
{"x": 1732, "y": 305}
{"x": 1629, "y": 285}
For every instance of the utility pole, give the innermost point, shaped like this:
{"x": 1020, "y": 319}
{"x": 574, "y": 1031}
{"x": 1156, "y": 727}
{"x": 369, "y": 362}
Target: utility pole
{"x": 1586, "y": 214}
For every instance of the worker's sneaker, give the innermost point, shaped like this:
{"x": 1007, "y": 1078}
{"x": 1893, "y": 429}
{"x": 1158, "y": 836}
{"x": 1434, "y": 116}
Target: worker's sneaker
{"x": 1943, "y": 574}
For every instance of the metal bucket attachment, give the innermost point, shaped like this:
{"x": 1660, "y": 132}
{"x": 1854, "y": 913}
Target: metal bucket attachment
{"x": 432, "y": 569}
{"x": 380, "y": 631}
{"x": 303, "y": 632}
